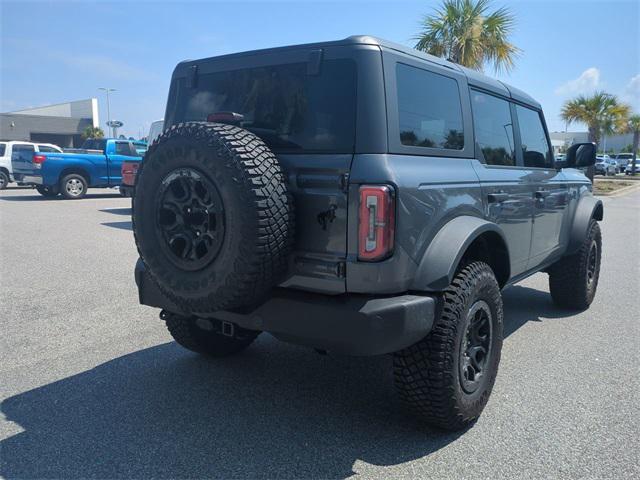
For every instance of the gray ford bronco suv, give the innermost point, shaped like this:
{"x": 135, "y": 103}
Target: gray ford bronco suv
{"x": 363, "y": 198}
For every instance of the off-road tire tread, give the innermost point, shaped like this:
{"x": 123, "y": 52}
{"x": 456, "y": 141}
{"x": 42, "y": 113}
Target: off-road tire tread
{"x": 567, "y": 277}
{"x": 269, "y": 212}
{"x": 425, "y": 374}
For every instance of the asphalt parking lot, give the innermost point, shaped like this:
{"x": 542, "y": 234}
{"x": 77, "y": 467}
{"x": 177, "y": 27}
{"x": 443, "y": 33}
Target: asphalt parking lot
{"x": 92, "y": 386}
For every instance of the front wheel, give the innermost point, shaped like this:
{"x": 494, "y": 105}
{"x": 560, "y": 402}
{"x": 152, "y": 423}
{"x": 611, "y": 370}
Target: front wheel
{"x": 573, "y": 280}
{"x": 446, "y": 378}
{"x": 73, "y": 186}
{"x": 208, "y": 336}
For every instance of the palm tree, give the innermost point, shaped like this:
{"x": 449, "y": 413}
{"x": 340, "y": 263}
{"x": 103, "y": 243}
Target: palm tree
{"x": 600, "y": 112}
{"x": 92, "y": 132}
{"x": 633, "y": 126}
{"x": 464, "y": 32}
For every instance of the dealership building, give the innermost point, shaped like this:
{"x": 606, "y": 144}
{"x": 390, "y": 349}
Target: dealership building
{"x": 61, "y": 124}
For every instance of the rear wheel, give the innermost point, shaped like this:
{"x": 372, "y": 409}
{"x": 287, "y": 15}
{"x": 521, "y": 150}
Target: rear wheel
{"x": 208, "y": 336}
{"x": 73, "y": 186}
{"x": 4, "y": 180}
{"x": 573, "y": 280}
{"x": 47, "y": 191}
{"x": 446, "y": 378}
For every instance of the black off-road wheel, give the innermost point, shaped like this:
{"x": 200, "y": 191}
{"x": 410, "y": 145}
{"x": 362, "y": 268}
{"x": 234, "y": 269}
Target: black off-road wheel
{"x": 573, "y": 280}
{"x": 207, "y": 336}
{"x": 446, "y": 378}
{"x": 212, "y": 217}
{"x": 48, "y": 192}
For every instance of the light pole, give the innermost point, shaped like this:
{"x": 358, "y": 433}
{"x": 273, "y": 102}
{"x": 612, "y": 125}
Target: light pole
{"x": 108, "y": 107}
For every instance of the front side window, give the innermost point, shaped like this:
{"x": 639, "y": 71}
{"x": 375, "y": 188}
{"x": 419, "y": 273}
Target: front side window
{"x": 429, "y": 109}
{"x": 291, "y": 110}
{"x": 493, "y": 129}
{"x": 535, "y": 147}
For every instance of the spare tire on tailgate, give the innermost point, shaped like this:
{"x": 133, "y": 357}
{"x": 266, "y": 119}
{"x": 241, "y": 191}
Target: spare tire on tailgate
{"x": 212, "y": 217}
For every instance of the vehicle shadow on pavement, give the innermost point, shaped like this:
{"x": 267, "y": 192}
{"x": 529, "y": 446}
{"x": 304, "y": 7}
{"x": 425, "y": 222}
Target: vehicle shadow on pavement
{"x": 524, "y": 304}
{"x": 120, "y": 225}
{"x": 273, "y": 411}
{"x": 118, "y": 211}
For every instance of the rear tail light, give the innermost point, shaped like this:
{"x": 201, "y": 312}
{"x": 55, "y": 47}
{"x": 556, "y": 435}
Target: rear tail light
{"x": 38, "y": 160}
{"x": 129, "y": 168}
{"x": 377, "y": 217}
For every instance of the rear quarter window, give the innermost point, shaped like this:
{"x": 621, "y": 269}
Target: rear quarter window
{"x": 429, "y": 109}
{"x": 3, "y": 149}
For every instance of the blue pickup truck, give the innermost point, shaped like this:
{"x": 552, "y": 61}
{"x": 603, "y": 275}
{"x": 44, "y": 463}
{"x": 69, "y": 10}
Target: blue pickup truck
{"x": 97, "y": 164}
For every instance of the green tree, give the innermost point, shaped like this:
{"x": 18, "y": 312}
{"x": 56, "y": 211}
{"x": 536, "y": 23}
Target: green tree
{"x": 92, "y": 132}
{"x": 633, "y": 126}
{"x": 600, "y": 112}
{"x": 464, "y": 32}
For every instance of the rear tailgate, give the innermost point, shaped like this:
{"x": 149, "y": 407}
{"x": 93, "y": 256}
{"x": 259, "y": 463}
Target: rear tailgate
{"x": 319, "y": 187}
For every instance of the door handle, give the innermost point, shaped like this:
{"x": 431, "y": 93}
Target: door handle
{"x": 542, "y": 193}
{"x": 497, "y": 197}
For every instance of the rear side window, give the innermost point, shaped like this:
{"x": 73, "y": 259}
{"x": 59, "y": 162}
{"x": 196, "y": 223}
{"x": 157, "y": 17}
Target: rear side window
{"x": 429, "y": 109}
{"x": 536, "y": 151}
{"x": 289, "y": 109}
{"x": 493, "y": 129}
{"x": 94, "y": 144}
{"x": 3, "y": 149}
{"x": 126, "y": 148}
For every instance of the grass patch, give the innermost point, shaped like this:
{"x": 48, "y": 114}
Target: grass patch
{"x": 604, "y": 187}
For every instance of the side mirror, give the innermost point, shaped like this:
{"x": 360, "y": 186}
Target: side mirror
{"x": 581, "y": 155}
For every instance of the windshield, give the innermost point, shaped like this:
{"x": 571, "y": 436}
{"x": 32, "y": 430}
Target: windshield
{"x": 289, "y": 109}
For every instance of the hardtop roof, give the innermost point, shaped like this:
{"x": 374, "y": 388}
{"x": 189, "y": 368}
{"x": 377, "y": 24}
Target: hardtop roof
{"x": 474, "y": 77}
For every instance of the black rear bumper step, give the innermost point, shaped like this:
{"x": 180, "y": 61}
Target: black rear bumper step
{"x": 348, "y": 324}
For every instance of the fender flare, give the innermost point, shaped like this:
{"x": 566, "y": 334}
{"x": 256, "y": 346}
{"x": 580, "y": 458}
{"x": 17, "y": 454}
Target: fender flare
{"x": 442, "y": 257}
{"x": 588, "y": 207}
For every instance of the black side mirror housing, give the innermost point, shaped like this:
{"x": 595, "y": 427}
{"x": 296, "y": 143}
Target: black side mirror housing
{"x": 580, "y": 155}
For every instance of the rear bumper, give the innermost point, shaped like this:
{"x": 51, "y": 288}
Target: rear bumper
{"x": 28, "y": 179}
{"x": 347, "y": 324}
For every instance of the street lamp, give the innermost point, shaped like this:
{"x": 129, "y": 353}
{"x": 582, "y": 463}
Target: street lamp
{"x": 108, "y": 107}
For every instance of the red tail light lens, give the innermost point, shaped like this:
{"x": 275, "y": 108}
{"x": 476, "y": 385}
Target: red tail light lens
{"x": 376, "y": 229}
{"x": 38, "y": 160}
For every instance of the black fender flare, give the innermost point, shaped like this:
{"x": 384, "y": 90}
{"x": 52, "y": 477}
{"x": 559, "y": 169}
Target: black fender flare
{"x": 588, "y": 207}
{"x": 442, "y": 257}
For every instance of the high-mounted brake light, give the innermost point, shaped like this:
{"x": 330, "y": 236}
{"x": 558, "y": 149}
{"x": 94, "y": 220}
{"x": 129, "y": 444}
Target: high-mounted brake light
{"x": 225, "y": 117}
{"x": 376, "y": 227}
{"x": 38, "y": 160}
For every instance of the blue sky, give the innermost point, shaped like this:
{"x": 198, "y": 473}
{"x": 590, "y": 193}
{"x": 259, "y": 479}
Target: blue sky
{"x": 54, "y": 51}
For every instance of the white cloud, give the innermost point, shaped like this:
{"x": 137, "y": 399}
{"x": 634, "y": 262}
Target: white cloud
{"x": 588, "y": 81}
{"x": 631, "y": 93}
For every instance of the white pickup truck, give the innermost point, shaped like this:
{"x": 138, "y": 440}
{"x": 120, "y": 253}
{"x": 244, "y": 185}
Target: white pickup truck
{"x": 7, "y": 149}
